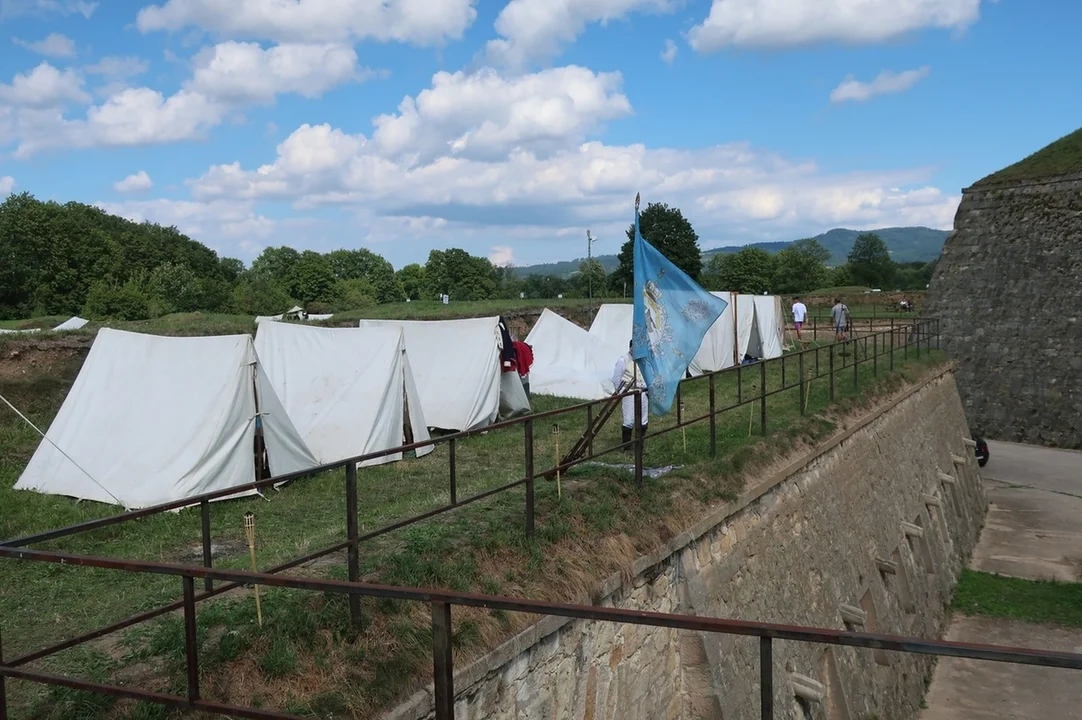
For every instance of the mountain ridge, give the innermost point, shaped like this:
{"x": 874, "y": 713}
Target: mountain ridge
{"x": 906, "y": 244}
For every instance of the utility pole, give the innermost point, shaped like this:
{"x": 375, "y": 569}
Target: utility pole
{"x": 589, "y": 263}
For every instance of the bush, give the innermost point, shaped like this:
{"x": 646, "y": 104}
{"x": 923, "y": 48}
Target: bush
{"x": 109, "y": 301}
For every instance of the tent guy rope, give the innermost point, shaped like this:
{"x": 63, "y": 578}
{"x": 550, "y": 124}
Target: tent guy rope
{"x": 60, "y": 450}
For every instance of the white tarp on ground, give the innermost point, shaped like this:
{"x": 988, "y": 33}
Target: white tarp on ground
{"x": 294, "y": 313}
{"x": 457, "y": 367}
{"x": 12, "y": 332}
{"x": 348, "y": 391}
{"x": 73, "y": 323}
{"x": 569, "y": 361}
{"x": 155, "y": 419}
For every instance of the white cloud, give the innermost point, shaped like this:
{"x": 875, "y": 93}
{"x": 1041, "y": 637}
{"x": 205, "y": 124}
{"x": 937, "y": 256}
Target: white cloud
{"x": 502, "y": 256}
{"x": 116, "y": 67}
{"x": 15, "y": 8}
{"x": 669, "y": 53}
{"x": 134, "y": 183}
{"x": 44, "y": 87}
{"x": 7, "y": 184}
{"x": 484, "y": 114}
{"x": 423, "y": 22}
{"x": 788, "y": 23}
{"x": 536, "y": 30}
{"x": 884, "y": 83}
{"x": 241, "y": 73}
{"x": 224, "y": 225}
{"x": 52, "y": 45}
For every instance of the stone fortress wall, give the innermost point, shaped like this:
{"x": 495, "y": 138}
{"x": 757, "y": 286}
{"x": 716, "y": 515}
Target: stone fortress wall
{"x": 1008, "y": 295}
{"x": 869, "y": 532}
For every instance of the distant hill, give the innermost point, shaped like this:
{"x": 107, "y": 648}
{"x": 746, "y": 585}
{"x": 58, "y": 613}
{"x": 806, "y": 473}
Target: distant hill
{"x": 909, "y": 244}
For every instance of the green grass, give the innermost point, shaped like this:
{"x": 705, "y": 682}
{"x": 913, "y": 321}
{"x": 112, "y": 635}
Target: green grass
{"x": 1036, "y": 601}
{"x": 1062, "y": 157}
{"x": 481, "y": 547}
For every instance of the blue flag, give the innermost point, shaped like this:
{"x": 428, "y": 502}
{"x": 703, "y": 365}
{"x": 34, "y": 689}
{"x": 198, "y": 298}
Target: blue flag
{"x": 672, "y": 314}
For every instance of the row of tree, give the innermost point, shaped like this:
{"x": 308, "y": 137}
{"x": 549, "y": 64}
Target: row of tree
{"x": 59, "y": 259}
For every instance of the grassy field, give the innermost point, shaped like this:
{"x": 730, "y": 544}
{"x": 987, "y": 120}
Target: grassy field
{"x": 1037, "y": 601}
{"x": 306, "y": 659}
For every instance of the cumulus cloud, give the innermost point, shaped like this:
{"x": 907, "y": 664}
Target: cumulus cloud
{"x": 788, "y": 23}
{"x": 669, "y": 53}
{"x": 44, "y": 87}
{"x": 117, "y": 68}
{"x": 485, "y": 115}
{"x": 221, "y": 222}
{"x": 134, "y": 183}
{"x": 502, "y": 256}
{"x": 7, "y": 184}
{"x": 536, "y": 30}
{"x": 885, "y": 83}
{"x": 331, "y": 21}
{"x": 10, "y": 9}
{"x": 52, "y": 45}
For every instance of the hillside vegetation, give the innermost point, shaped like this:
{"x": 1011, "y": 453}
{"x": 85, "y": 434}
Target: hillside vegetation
{"x": 1063, "y": 157}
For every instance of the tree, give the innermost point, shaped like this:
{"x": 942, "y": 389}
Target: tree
{"x": 670, "y": 232}
{"x": 259, "y": 295}
{"x": 751, "y": 270}
{"x": 109, "y": 301}
{"x": 801, "y": 267}
{"x": 456, "y": 273}
{"x": 276, "y": 263}
{"x": 591, "y": 274}
{"x": 311, "y": 278}
{"x": 412, "y": 280}
{"x": 869, "y": 261}
{"x": 175, "y": 288}
{"x": 364, "y": 264}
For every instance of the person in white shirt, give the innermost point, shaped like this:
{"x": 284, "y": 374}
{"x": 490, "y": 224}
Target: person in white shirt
{"x": 627, "y": 369}
{"x": 800, "y": 312}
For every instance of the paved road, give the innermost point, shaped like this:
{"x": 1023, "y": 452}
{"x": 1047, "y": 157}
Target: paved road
{"x": 1033, "y": 530}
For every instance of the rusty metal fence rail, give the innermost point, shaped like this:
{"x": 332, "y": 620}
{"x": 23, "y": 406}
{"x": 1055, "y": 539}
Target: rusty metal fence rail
{"x": 810, "y": 364}
{"x": 442, "y": 602}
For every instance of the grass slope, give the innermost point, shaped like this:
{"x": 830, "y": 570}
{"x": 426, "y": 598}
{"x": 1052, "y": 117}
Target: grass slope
{"x": 1036, "y": 601}
{"x": 1063, "y": 157}
{"x": 306, "y": 658}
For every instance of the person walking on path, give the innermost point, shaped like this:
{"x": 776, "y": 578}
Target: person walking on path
{"x": 839, "y": 315}
{"x": 800, "y": 312}
{"x": 627, "y": 370}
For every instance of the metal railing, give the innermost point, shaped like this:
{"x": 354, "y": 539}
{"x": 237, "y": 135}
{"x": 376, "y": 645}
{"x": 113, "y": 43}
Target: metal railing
{"x": 811, "y": 363}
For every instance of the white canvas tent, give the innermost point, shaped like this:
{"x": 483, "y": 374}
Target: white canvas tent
{"x": 456, "y": 364}
{"x": 348, "y": 391}
{"x": 294, "y": 313}
{"x": 569, "y": 361}
{"x": 155, "y": 419}
{"x": 73, "y": 323}
{"x": 767, "y": 337}
{"x": 612, "y": 324}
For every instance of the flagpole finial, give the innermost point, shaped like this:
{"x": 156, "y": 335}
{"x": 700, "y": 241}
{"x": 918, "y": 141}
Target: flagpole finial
{"x": 636, "y": 202}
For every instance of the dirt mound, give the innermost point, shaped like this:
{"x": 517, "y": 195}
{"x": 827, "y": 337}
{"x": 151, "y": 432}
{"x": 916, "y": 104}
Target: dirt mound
{"x": 29, "y": 359}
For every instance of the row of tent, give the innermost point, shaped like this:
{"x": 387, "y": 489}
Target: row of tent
{"x": 74, "y": 323}
{"x": 153, "y": 419}
{"x": 576, "y": 363}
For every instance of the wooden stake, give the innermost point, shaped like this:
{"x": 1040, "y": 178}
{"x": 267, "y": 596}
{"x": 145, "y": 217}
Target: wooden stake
{"x": 249, "y": 531}
{"x": 556, "y": 434}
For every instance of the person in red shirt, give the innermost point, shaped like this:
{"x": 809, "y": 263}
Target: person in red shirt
{"x": 523, "y": 362}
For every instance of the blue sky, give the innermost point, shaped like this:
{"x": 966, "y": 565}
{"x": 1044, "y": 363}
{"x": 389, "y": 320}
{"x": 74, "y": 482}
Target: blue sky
{"x": 509, "y": 128}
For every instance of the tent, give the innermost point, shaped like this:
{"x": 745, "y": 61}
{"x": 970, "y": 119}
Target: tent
{"x": 767, "y": 339}
{"x": 569, "y": 361}
{"x": 294, "y": 313}
{"x": 457, "y": 367}
{"x": 155, "y": 419}
{"x": 612, "y": 324}
{"x": 348, "y": 391}
{"x": 73, "y": 323}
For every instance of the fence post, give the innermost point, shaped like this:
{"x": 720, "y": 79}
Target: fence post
{"x": 830, "y": 369}
{"x": 815, "y": 329}
{"x": 783, "y": 370}
{"x": 905, "y": 345}
{"x": 800, "y": 367}
{"x": 856, "y": 364}
{"x": 875, "y": 355}
{"x": 528, "y": 425}
{"x": 740, "y": 384}
{"x": 353, "y": 558}
{"x": 204, "y": 519}
{"x": 589, "y": 430}
{"x": 191, "y": 649}
{"x": 766, "y": 678}
{"x": 443, "y": 669}
{"x": 713, "y": 419}
{"x": 918, "y": 328}
{"x": 679, "y": 411}
{"x": 762, "y": 398}
{"x": 892, "y": 344}
{"x": 937, "y": 334}
{"x": 454, "y": 474}
{"x": 637, "y": 437}
{"x": 3, "y": 684}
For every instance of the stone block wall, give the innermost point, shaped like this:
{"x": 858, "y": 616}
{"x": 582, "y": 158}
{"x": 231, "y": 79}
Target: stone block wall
{"x": 869, "y": 532}
{"x": 1008, "y": 295}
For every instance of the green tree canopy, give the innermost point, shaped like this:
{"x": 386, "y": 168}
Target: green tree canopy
{"x": 462, "y": 276}
{"x": 869, "y": 261}
{"x": 801, "y": 267}
{"x": 671, "y": 233}
{"x": 364, "y": 264}
{"x": 311, "y": 278}
{"x": 591, "y": 274}
{"x": 412, "y": 280}
{"x": 751, "y": 270}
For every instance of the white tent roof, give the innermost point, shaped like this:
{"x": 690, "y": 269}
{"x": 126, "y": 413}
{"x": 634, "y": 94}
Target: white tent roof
{"x": 155, "y": 419}
{"x": 569, "y": 361}
{"x": 457, "y": 367}
{"x": 73, "y": 323}
{"x": 767, "y": 339}
{"x": 348, "y": 391}
{"x": 612, "y": 324}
